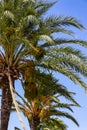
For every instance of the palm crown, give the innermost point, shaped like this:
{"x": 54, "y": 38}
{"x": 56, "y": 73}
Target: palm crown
{"x": 42, "y": 103}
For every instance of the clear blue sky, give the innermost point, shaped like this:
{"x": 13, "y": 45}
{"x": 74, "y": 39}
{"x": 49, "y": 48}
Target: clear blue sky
{"x": 78, "y": 9}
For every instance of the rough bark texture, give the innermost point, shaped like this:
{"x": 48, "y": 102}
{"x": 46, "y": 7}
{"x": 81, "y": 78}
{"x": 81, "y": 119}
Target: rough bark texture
{"x": 35, "y": 121}
{"x": 6, "y": 104}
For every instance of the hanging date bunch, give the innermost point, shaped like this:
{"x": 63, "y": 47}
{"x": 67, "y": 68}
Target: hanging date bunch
{"x": 29, "y": 76}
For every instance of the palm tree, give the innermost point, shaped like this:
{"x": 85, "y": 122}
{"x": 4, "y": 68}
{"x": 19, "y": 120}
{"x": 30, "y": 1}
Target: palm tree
{"x": 12, "y": 54}
{"x": 43, "y": 103}
{"x": 27, "y": 39}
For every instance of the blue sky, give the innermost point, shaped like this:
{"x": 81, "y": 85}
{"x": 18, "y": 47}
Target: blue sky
{"x": 78, "y": 9}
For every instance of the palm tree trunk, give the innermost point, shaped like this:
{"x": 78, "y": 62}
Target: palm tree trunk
{"x": 34, "y": 122}
{"x": 6, "y": 104}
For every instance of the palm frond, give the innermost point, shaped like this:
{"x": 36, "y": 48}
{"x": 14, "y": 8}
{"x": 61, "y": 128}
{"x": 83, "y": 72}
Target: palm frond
{"x": 42, "y": 7}
{"x": 15, "y": 102}
{"x": 64, "y": 114}
{"x": 66, "y": 42}
{"x": 63, "y": 21}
